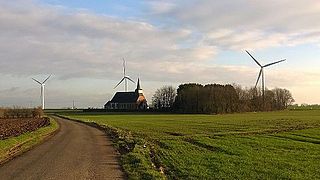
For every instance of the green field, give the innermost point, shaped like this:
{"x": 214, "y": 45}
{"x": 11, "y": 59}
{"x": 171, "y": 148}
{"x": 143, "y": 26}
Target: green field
{"x": 270, "y": 145}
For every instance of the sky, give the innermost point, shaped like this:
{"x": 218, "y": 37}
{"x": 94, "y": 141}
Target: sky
{"x": 165, "y": 42}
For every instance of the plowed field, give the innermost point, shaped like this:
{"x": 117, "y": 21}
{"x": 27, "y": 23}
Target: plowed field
{"x": 15, "y": 127}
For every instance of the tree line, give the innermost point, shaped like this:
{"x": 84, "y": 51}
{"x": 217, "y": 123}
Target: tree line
{"x": 217, "y": 98}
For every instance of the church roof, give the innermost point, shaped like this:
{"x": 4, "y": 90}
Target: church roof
{"x": 125, "y": 97}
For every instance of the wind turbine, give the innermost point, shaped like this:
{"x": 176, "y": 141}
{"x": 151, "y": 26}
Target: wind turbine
{"x": 42, "y": 90}
{"x": 125, "y": 78}
{"x": 261, "y": 73}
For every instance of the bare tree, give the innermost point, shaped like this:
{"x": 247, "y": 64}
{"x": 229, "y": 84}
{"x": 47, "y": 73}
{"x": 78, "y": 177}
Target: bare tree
{"x": 164, "y": 97}
{"x": 283, "y": 98}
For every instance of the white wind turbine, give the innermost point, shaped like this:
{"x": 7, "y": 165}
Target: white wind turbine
{"x": 42, "y": 90}
{"x": 125, "y": 78}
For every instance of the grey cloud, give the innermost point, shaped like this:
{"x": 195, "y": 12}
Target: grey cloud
{"x": 248, "y": 14}
{"x": 9, "y": 90}
{"x": 255, "y": 24}
{"x": 40, "y": 39}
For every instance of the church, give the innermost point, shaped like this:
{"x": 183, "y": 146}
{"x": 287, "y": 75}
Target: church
{"x": 133, "y": 100}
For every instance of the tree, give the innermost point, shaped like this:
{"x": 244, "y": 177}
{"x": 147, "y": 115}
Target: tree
{"x": 211, "y": 98}
{"x": 164, "y": 98}
{"x": 188, "y": 98}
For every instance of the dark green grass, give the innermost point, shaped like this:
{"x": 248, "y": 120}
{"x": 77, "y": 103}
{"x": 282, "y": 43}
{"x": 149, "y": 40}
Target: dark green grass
{"x": 272, "y": 145}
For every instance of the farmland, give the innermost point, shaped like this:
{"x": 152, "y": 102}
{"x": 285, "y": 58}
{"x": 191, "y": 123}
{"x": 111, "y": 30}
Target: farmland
{"x": 19, "y": 135}
{"x": 265, "y": 145}
{"x": 15, "y": 127}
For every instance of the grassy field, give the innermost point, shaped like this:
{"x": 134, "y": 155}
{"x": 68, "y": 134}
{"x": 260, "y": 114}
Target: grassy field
{"x": 16, "y": 145}
{"x": 270, "y": 145}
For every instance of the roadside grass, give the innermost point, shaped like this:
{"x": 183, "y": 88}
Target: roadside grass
{"x": 16, "y": 145}
{"x": 264, "y": 145}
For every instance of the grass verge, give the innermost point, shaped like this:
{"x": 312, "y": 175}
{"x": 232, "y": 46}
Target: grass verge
{"x": 14, "y": 146}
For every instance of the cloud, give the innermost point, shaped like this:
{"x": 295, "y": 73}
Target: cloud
{"x": 259, "y": 39}
{"x": 247, "y": 24}
{"x": 38, "y": 39}
{"x": 175, "y": 42}
{"x": 4, "y": 92}
{"x": 43, "y": 39}
{"x": 281, "y": 16}
{"x": 160, "y": 7}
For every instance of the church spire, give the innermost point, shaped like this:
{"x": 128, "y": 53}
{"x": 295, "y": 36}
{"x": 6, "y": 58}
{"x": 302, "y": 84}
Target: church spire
{"x": 139, "y": 90}
{"x": 138, "y": 84}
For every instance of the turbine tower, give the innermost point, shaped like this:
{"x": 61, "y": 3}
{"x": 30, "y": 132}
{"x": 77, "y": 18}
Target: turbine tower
{"x": 261, "y": 73}
{"x": 125, "y": 78}
{"x": 42, "y": 84}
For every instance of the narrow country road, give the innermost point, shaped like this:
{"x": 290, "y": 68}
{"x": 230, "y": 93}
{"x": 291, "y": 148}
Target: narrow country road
{"x": 77, "y": 151}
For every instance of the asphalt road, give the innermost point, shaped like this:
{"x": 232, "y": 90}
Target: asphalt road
{"x": 77, "y": 151}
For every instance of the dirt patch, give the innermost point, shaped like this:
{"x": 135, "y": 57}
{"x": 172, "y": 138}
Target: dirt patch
{"x": 15, "y": 127}
{"x": 175, "y": 134}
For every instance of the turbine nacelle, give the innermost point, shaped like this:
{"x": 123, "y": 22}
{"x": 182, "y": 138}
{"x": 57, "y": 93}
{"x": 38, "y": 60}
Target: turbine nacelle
{"x": 42, "y": 83}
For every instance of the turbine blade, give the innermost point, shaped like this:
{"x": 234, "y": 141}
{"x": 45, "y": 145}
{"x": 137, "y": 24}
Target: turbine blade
{"x": 37, "y": 81}
{"x": 46, "y": 79}
{"x": 258, "y": 78}
{"x": 129, "y": 79}
{"x": 254, "y": 59}
{"x": 119, "y": 83}
{"x": 274, "y": 63}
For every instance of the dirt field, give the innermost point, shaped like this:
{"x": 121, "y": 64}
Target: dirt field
{"x": 15, "y": 127}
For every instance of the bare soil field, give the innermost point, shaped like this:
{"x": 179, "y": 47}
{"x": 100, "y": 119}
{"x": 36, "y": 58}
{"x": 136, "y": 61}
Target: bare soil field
{"x": 15, "y": 127}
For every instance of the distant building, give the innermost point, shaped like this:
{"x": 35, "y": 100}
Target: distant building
{"x": 133, "y": 100}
